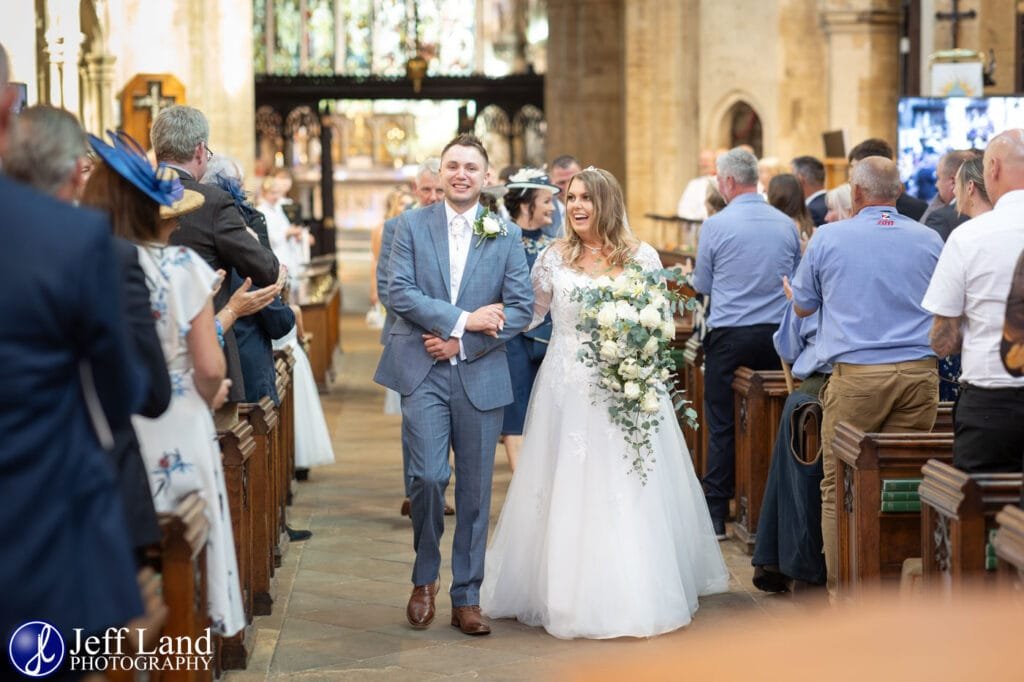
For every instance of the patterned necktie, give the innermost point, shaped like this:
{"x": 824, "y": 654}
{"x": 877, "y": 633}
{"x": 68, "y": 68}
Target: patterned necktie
{"x": 457, "y": 233}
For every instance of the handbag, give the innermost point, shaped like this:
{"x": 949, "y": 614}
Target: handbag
{"x": 537, "y": 340}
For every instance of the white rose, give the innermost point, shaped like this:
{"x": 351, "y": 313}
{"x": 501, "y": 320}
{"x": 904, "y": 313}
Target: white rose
{"x": 627, "y": 312}
{"x": 609, "y": 350}
{"x": 491, "y": 225}
{"x": 668, "y": 329}
{"x": 658, "y": 301}
{"x": 631, "y": 390}
{"x": 621, "y": 284}
{"x": 651, "y": 347}
{"x": 665, "y": 374}
{"x": 614, "y": 385}
{"x": 607, "y": 315}
{"x": 651, "y": 317}
{"x": 629, "y": 370}
{"x": 650, "y": 403}
{"x": 603, "y": 282}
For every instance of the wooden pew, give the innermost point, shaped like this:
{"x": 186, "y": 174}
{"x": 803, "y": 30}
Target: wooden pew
{"x": 1009, "y": 545}
{"x": 237, "y": 446}
{"x": 957, "y": 512}
{"x": 693, "y": 384}
{"x": 944, "y": 419}
{"x": 320, "y": 300}
{"x": 182, "y": 564}
{"x": 759, "y": 399}
{"x": 873, "y": 544}
{"x": 263, "y": 419}
{"x": 285, "y": 461}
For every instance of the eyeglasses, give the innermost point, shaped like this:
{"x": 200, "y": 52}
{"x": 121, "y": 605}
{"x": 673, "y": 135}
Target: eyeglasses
{"x": 209, "y": 152}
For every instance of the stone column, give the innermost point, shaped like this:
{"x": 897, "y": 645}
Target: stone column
{"x": 662, "y": 99}
{"x": 100, "y": 70}
{"x": 583, "y": 99}
{"x": 863, "y": 67}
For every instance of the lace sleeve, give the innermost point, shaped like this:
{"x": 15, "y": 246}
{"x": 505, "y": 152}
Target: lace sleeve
{"x": 542, "y": 277}
{"x": 647, "y": 257}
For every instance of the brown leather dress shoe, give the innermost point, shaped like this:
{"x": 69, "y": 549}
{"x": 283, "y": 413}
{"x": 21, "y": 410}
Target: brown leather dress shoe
{"x": 420, "y": 611}
{"x": 406, "y": 507}
{"x": 469, "y": 620}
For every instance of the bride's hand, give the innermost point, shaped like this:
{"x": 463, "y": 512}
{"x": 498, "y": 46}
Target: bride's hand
{"x": 439, "y": 349}
{"x": 489, "y": 319}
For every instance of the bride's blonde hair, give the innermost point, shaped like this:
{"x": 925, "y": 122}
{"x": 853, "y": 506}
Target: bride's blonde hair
{"x": 608, "y": 218}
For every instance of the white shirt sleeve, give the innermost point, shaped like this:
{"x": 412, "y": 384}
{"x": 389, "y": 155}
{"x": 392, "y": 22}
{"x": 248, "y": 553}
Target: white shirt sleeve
{"x": 947, "y": 290}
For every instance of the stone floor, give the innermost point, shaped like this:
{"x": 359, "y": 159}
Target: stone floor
{"x": 339, "y": 612}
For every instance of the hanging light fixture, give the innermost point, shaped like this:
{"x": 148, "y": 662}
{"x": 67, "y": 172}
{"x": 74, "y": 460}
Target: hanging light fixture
{"x": 416, "y": 66}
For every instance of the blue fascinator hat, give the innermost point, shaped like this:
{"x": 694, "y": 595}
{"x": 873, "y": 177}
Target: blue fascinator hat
{"x": 127, "y": 158}
{"x": 531, "y": 178}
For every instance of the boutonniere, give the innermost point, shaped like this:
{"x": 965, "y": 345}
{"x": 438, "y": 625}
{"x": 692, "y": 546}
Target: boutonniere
{"x": 488, "y": 226}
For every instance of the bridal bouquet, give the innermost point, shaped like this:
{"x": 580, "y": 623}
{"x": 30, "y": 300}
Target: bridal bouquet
{"x": 627, "y": 325}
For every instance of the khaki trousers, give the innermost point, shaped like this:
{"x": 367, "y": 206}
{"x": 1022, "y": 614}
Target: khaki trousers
{"x": 895, "y": 397}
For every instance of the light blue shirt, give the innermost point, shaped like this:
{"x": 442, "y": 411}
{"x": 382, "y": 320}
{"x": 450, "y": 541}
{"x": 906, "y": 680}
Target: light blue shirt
{"x": 868, "y": 275}
{"x": 795, "y": 342}
{"x": 743, "y": 253}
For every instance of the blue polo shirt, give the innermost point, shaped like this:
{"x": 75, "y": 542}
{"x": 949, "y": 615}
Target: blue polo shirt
{"x": 868, "y": 274}
{"x": 743, "y": 253}
{"x": 796, "y": 343}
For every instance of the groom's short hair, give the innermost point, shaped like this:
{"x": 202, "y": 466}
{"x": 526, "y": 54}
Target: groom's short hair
{"x": 467, "y": 140}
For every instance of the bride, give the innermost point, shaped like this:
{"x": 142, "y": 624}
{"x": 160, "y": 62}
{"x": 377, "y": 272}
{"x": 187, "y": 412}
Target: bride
{"x": 582, "y": 548}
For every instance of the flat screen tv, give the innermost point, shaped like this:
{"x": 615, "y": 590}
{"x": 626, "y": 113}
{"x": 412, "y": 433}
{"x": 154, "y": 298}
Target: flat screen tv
{"x": 931, "y": 126}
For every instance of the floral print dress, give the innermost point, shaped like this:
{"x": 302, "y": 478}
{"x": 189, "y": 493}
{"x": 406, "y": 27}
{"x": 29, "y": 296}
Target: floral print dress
{"x": 180, "y": 447}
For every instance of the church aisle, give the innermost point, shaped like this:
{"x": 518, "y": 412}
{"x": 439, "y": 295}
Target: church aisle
{"x": 339, "y": 612}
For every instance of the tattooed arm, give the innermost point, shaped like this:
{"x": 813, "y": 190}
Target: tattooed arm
{"x": 945, "y": 337}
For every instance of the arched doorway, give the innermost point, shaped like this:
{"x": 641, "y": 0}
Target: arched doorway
{"x": 742, "y": 125}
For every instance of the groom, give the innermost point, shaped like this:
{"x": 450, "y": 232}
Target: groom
{"x": 459, "y": 297}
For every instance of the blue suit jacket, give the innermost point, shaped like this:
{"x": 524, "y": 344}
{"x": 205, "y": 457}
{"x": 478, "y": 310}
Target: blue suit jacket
{"x": 386, "y": 240}
{"x": 419, "y": 293}
{"x": 71, "y": 562}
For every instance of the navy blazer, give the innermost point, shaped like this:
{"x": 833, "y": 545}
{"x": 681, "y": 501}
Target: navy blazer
{"x": 69, "y": 560}
{"x": 255, "y": 335}
{"x": 216, "y": 231}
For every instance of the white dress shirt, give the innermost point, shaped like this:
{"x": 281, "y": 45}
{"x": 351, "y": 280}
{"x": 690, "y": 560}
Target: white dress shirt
{"x": 972, "y": 281}
{"x": 460, "y": 240}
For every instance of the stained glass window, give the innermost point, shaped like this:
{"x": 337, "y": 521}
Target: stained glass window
{"x": 377, "y": 37}
{"x": 320, "y": 37}
{"x": 259, "y": 35}
{"x": 288, "y": 33}
{"x": 358, "y": 21}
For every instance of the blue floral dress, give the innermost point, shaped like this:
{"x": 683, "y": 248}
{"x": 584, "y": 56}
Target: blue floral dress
{"x": 522, "y": 368}
{"x": 180, "y": 447}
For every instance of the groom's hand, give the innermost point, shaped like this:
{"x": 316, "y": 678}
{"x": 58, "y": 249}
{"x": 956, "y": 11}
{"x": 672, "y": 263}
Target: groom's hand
{"x": 489, "y": 319}
{"x": 439, "y": 349}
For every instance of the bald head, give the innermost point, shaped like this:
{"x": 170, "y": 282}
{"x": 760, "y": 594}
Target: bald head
{"x": 1004, "y": 163}
{"x": 875, "y": 181}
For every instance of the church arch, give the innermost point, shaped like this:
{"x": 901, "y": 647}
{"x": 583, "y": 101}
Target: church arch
{"x": 736, "y": 121}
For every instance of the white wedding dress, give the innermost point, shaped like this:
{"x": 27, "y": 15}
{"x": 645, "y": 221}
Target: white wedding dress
{"x": 582, "y": 548}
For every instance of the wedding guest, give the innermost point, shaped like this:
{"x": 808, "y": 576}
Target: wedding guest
{"x": 912, "y": 207}
{"x": 839, "y": 203}
{"x": 743, "y": 253}
{"x": 883, "y": 371}
{"x": 561, "y": 171}
{"x": 945, "y": 181}
{"x": 216, "y": 231}
{"x": 68, "y": 558}
{"x": 713, "y": 199}
{"x": 971, "y": 196}
{"x": 583, "y": 547}
{"x": 967, "y": 295}
{"x": 811, "y": 174}
{"x": 180, "y": 447}
{"x": 530, "y": 202}
{"x": 48, "y": 151}
{"x": 691, "y": 203}
{"x": 785, "y": 194}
